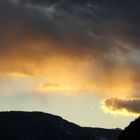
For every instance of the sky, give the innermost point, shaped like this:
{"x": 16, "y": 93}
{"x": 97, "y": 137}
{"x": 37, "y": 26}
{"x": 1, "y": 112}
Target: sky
{"x": 79, "y": 59}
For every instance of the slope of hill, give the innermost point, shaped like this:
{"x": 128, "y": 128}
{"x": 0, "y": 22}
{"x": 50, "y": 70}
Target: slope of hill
{"x": 132, "y": 132}
{"x": 43, "y": 126}
{"x": 105, "y": 134}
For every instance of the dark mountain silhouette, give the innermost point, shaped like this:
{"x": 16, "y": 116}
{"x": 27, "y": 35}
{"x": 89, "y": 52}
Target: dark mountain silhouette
{"x": 43, "y": 126}
{"x": 132, "y": 132}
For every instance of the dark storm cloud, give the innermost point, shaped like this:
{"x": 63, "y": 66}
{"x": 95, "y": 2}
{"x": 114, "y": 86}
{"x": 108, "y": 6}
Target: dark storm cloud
{"x": 130, "y": 105}
{"x": 105, "y": 30}
{"x": 67, "y": 18}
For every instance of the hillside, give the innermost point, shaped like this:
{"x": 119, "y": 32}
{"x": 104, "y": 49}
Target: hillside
{"x": 43, "y": 126}
{"x": 132, "y": 132}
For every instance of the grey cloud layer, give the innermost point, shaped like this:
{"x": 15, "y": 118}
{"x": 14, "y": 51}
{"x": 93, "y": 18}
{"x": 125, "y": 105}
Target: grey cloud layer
{"x": 84, "y": 22}
{"x": 104, "y": 30}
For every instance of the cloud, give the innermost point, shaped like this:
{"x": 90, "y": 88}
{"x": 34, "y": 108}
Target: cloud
{"x": 86, "y": 42}
{"x": 66, "y": 87}
{"x": 122, "y": 106}
{"x": 50, "y": 87}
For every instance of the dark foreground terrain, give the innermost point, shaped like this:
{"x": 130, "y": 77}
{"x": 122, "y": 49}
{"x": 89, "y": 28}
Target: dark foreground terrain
{"x": 43, "y": 126}
{"x": 132, "y": 132}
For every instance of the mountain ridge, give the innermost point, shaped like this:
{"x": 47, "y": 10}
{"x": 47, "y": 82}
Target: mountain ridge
{"x": 21, "y": 125}
{"x": 132, "y": 131}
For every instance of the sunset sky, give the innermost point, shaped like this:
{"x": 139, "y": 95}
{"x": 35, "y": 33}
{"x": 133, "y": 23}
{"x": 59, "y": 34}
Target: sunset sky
{"x": 79, "y": 59}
